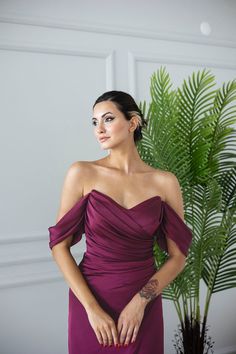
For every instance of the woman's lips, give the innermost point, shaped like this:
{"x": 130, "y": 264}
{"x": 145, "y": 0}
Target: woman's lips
{"x": 103, "y": 139}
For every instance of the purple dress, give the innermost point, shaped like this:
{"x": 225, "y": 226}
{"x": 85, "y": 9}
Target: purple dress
{"x": 117, "y": 263}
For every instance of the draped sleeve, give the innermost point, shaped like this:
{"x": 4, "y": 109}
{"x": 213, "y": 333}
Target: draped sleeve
{"x": 172, "y": 226}
{"x": 71, "y": 223}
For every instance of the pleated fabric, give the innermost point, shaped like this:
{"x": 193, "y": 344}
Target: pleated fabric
{"x": 117, "y": 263}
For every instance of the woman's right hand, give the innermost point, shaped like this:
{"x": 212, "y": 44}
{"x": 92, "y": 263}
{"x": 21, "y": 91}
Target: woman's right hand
{"x": 103, "y": 326}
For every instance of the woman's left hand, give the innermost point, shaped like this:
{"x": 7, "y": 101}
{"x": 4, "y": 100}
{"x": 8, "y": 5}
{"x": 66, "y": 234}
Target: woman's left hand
{"x": 130, "y": 320}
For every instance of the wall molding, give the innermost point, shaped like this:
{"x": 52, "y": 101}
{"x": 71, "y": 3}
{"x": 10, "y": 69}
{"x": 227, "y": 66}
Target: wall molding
{"x": 108, "y": 56}
{"x": 116, "y": 30}
{"x": 30, "y": 260}
{"x": 26, "y": 269}
{"x": 31, "y": 279}
{"x": 33, "y": 272}
{"x": 135, "y": 57}
{"x": 34, "y": 236}
{"x": 29, "y": 264}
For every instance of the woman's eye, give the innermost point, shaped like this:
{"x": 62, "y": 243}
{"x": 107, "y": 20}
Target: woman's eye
{"x": 110, "y": 118}
{"x": 106, "y": 119}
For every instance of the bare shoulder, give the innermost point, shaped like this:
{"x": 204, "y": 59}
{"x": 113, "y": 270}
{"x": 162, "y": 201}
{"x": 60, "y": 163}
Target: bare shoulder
{"x": 164, "y": 177}
{"x": 168, "y": 178}
{"x": 83, "y": 166}
{"x": 73, "y": 184}
{"x": 72, "y": 188}
{"x": 157, "y": 172}
{"x": 172, "y": 191}
{"x": 172, "y": 186}
{"x": 78, "y": 168}
{"x": 169, "y": 185}
{"x": 81, "y": 173}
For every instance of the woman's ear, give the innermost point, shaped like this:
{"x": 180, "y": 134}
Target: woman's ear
{"x": 134, "y": 122}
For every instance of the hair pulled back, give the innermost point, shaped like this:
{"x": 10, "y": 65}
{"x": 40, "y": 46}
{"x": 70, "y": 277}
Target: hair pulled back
{"x": 127, "y": 105}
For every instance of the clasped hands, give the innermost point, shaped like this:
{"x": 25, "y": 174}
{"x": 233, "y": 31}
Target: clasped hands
{"x": 128, "y": 323}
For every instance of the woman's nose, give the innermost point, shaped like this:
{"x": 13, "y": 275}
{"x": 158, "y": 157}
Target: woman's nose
{"x": 100, "y": 127}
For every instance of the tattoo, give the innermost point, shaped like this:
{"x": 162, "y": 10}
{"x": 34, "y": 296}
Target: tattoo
{"x": 150, "y": 290}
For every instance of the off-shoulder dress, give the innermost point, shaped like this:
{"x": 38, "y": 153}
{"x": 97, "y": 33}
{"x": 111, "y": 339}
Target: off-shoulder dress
{"x": 117, "y": 263}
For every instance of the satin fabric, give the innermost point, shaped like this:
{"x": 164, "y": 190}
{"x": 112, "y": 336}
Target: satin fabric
{"x": 117, "y": 263}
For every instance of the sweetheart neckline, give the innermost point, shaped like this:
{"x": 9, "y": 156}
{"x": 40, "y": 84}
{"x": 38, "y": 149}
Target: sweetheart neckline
{"x": 135, "y": 206}
{"x": 169, "y": 207}
{"x": 121, "y": 206}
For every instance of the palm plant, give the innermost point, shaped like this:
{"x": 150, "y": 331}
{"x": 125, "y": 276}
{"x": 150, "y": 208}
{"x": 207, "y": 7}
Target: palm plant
{"x": 190, "y": 133}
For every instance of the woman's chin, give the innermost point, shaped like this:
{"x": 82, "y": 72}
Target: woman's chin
{"x": 105, "y": 145}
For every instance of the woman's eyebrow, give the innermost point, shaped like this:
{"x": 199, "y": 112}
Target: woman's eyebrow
{"x": 103, "y": 115}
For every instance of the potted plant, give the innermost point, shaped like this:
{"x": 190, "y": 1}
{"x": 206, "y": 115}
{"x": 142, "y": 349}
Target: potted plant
{"x": 190, "y": 133}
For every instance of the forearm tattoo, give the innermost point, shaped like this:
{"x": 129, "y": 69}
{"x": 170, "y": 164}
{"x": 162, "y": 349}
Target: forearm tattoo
{"x": 150, "y": 290}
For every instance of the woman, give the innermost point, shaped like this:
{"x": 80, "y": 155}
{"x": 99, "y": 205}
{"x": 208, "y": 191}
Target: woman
{"x": 121, "y": 204}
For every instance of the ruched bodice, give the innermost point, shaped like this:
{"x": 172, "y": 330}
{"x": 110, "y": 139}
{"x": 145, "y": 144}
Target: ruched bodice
{"x": 101, "y": 219}
{"x": 118, "y": 260}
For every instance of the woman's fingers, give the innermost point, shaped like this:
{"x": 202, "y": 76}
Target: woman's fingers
{"x": 123, "y": 333}
{"x": 103, "y": 326}
{"x": 104, "y": 337}
{"x": 99, "y": 337}
{"x": 114, "y": 334}
{"x": 128, "y": 333}
{"x": 111, "y": 333}
{"x": 108, "y": 335}
{"x": 135, "y": 332}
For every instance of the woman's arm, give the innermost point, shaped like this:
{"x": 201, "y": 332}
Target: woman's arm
{"x": 101, "y": 322}
{"x": 132, "y": 315}
{"x": 176, "y": 260}
{"x": 72, "y": 191}
{"x": 73, "y": 276}
{"x": 164, "y": 276}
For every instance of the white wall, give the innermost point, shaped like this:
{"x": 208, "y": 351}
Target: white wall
{"x": 56, "y": 58}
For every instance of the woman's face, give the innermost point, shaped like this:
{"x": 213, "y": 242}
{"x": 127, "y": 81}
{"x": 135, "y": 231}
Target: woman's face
{"x": 109, "y": 122}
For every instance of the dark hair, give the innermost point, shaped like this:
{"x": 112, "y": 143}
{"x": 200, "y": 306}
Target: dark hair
{"x": 127, "y": 105}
